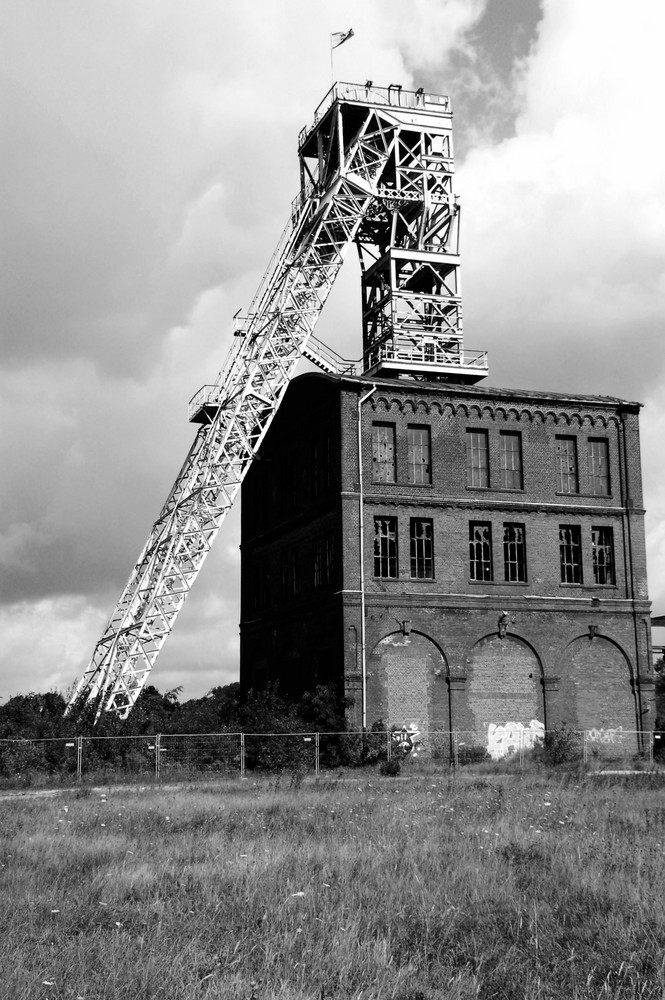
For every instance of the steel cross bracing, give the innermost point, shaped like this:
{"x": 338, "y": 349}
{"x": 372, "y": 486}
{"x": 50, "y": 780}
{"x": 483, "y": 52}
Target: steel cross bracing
{"x": 353, "y": 144}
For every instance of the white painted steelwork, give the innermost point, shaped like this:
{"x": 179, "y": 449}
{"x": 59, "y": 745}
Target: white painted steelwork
{"x": 375, "y": 168}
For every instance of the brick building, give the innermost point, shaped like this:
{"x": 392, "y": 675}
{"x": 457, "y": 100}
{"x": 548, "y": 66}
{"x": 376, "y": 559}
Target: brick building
{"x": 487, "y": 567}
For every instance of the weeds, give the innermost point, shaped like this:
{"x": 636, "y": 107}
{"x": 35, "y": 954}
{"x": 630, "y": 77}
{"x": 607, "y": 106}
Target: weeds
{"x": 512, "y": 887}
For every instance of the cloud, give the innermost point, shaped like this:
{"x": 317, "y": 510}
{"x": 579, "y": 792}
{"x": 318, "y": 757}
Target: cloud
{"x": 150, "y": 160}
{"x": 564, "y": 223}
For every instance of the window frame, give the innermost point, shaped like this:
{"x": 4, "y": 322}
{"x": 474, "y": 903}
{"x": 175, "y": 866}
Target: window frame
{"x": 504, "y": 454}
{"x": 477, "y": 471}
{"x": 421, "y": 549}
{"x": 323, "y": 560}
{"x": 571, "y": 547}
{"x": 481, "y": 559}
{"x": 598, "y": 477}
{"x": 385, "y": 548}
{"x": 290, "y": 567}
{"x": 518, "y": 562}
{"x": 380, "y": 465}
{"x": 424, "y": 468}
{"x": 564, "y": 477}
{"x": 605, "y": 567}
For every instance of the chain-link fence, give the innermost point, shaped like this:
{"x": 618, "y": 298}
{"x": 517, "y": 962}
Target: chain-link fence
{"x": 188, "y": 756}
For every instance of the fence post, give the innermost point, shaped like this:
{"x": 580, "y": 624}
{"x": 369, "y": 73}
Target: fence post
{"x": 389, "y": 745}
{"x": 651, "y": 746}
{"x": 158, "y": 754}
{"x": 242, "y": 755}
{"x": 79, "y": 758}
{"x": 316, "y": 753}
{"x": 455, "y": 750}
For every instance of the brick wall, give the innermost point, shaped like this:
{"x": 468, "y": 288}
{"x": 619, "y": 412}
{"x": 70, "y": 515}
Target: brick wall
{"x": 454, "y": 659}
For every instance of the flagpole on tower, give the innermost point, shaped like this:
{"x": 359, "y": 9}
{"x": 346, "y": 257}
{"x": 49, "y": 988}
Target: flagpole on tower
{"x": 337, "y": 38}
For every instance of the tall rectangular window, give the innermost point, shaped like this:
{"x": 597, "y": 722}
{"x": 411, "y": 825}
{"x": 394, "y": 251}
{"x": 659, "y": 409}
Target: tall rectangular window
{"x": 260, "y": 586}
{"x": 570, "y": 553}
{"x": 385, "y": 547}
{"x": 422, "y": 549}
{"x": 510, "y": 455}
{"x": 264, "y": 584}
{"x": 477, "y": 460}
{"x": 383, "y": 453}
{"x": 324, "y": 554}
{"x": 291, "y": 572}
{"x": 599, "y": 467}
{"x": 566, "y": 453}
{"x": 602, "y": 550}
{"x": 480, "y": 550}
{"x": 514, "y": 553}
{"x": 419, "y": 468}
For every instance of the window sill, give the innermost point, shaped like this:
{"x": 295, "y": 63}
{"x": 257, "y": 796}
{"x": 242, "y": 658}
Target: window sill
{"x": 402, "y": 484}
{"x": 499, "y": 583}
{"x": 587, "y": 496}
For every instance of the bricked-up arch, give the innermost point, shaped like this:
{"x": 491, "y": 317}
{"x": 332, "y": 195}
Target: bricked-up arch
{"x": 504, "y": 683}
{"x": 406, "y": 682}
{"x": 596, "y": 686}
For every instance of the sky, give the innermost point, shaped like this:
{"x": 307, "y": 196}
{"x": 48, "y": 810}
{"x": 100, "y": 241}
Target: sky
{"x": 149, "y": 159}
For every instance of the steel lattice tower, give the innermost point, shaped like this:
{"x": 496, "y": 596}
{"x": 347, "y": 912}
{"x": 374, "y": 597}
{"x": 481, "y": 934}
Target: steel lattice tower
{"x": 376, "y": 169}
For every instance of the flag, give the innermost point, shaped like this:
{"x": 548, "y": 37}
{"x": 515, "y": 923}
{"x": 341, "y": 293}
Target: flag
{"x": 339, "y": 37}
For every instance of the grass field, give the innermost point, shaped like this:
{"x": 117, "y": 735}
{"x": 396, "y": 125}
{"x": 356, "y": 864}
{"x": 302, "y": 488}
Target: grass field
{"x": 515, "y": 886}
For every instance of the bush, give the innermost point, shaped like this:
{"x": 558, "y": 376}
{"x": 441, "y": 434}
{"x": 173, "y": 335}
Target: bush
{"x": 471, "y": 755}
{"x": 390, "y": 768}
{"x": 561, "y": 746}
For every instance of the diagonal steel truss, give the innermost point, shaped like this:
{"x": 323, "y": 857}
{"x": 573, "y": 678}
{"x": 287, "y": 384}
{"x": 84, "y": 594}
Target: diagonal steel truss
{"x": 342, "y": 160}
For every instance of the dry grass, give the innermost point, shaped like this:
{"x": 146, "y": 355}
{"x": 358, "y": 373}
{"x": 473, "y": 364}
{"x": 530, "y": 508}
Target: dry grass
{"x": 423, "y": 889}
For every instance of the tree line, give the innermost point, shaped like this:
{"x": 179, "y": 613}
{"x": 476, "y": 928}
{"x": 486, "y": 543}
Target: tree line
{"x": 224, "y": 709}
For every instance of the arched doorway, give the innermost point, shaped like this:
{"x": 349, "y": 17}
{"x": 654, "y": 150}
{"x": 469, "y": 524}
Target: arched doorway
{"x": 596, "y": 686}
{"x": 505, "y": 693}
{"x": 406, "y": 683}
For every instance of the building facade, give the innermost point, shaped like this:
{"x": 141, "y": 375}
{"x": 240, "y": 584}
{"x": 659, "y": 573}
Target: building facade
{"x": 452, "y": 557}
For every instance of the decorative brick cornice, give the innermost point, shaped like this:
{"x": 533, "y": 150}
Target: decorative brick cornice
{"x": 498, "y": 412}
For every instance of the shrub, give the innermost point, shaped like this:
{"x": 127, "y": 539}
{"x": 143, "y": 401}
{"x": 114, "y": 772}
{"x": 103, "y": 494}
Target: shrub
{"x": 561, "y": 746}
{"x": 390, "y": 768}
{"x": 471, "y": 755}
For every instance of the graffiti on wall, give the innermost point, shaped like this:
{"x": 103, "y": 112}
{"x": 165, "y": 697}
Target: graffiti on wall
{"x": 510, "y": 737}
{"x": 406, "y": 740}
{"x": 605, "y": 735}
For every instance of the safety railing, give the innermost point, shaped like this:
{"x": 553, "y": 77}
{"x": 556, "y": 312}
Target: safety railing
{"x": 367, "y": 93}
{"x": 187, "y": 756}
